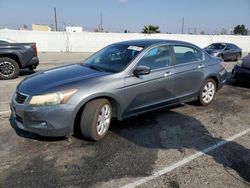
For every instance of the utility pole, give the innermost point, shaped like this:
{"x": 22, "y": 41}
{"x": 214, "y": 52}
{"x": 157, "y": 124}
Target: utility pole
{"x": 101, "y": 28}
{"x": 182, "y": 25}
{"x": 55, "y": 18}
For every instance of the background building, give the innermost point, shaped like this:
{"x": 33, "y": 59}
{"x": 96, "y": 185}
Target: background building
{"x": 40, "y": 27}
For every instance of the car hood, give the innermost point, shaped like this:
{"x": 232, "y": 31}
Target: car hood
{"x": 57, "y": 77}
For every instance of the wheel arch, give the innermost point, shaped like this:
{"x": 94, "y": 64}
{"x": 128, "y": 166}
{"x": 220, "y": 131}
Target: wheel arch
{"x": 116, "y": 108}
{"x": 15, "y": 57}
{"x": 215, "y": 78}
{"x": 212, "y": 76}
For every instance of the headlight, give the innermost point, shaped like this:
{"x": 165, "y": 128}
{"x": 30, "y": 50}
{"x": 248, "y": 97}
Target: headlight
{"x": 52, "y": 98}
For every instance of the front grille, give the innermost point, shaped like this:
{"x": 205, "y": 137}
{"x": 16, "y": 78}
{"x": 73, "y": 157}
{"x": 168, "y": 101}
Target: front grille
{"x": 18, "y": 118}
{"x": 20, "y": 98}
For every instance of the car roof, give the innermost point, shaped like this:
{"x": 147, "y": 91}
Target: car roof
{"x": 225, "y": 43}
{"x": 7, "y": 40}
{"x": 149, "y": 42}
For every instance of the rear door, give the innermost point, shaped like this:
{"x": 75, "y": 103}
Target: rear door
{"x": 155, "y": 89}
{"x": 189, "y": 66}
{"x": 229, "y": 52}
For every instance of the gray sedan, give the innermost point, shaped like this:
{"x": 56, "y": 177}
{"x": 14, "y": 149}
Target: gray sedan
{"x": 120, "y": 81}
{"x": 226, "y": 51}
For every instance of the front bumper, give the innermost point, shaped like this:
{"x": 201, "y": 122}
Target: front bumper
{"x": 54, "y": 120}
{"x": 241, "y": 74}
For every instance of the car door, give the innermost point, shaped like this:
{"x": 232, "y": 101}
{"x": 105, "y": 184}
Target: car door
{"x": 189, "y": 66}
{"x": 153, "y": 90}
{"x": 228, "y": 52}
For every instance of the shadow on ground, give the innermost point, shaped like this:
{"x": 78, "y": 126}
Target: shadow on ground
{"x": 26, "y": 72}
{"x": 177, "y": 131}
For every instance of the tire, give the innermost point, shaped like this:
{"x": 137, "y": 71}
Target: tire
{"x": 9, "y": 69}
{"x": 238, "y": 56}
{"x": 95, "y": 119}
{"x": 220, "y": 56}
{"x": 207, "y": 92}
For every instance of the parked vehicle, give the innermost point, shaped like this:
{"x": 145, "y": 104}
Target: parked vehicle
{"x": 242, "y": 72}
{"x": 226, "y": 51}
{"x": 16, "y": 56}
{"x": 122, "y": 80}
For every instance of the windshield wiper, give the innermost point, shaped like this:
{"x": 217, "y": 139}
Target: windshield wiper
{"x": 95, "y": 67}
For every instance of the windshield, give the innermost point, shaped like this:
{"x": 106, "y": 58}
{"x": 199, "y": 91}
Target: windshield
{"x": 217, "y": 46}
{"x": 113, "y": 58}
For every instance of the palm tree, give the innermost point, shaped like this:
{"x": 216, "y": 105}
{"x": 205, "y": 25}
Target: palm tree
{"x": 151, "y": 29}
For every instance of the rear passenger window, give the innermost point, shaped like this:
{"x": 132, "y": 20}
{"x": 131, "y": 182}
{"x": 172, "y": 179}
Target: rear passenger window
{"x": 158, "y": 57}
{"x": 184, "y": 54}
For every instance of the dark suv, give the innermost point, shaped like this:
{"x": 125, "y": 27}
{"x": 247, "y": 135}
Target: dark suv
{"x": 122, "y": 80}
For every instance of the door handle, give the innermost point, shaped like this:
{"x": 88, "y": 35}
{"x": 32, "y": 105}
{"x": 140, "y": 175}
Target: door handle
{"x": 167, "y": 74}
{"x": 200, "y": 66}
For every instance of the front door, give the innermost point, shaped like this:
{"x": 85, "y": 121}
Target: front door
{"x": 153, "y": 90}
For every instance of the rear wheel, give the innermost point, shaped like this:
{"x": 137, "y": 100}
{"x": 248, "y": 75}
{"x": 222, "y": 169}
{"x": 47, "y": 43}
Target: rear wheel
{"x": 9, "y": 68}
{"x": 207, "y": 92}
{"x": 238, "y": 56}
{"x": 95, "y": 119}
{"x": 220, "y": 56}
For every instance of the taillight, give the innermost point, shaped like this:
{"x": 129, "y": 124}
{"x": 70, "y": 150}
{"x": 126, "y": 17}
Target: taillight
{"x": 35, "y": 49}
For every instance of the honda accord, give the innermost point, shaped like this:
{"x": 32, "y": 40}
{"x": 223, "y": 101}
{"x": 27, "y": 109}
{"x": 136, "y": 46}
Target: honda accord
{"x": 120, "y": 81}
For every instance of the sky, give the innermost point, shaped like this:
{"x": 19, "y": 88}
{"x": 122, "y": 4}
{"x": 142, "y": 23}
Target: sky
{"x": 210, "y": 16}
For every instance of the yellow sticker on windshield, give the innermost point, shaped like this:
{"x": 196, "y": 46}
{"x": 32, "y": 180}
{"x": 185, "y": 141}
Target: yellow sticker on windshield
{"x": 136, "y": 48}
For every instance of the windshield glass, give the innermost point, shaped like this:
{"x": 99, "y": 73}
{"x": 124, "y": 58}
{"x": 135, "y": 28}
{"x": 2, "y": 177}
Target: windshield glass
{"x": 113, "y": 58}
{"x": 217, "y": 46}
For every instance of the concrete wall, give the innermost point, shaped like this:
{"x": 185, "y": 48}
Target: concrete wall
{"x": 91, "y": 42}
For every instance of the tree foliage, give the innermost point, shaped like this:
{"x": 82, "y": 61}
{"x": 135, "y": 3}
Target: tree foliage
{"x": 240, "y": 30}
{"x": 149, "y": 29}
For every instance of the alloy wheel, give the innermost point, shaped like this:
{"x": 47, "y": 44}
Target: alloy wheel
{"x": 7, "y": 69}
{"x": 208, "y": 92}
{"x": 103, "y": 120}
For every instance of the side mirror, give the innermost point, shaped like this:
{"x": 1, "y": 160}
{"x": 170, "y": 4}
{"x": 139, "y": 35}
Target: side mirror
{"x": 141, "y": 70}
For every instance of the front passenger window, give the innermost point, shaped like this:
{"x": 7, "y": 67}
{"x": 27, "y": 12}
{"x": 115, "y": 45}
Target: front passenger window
{"x": 158, "y": 57}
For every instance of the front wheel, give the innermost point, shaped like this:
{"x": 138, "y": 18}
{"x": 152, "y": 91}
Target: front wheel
{"x": 95, "y": 119}
{"x": 9, "y": 68}
{"x": 207, "y": 92}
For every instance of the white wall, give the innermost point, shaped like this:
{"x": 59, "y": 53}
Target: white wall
{"x": 91, "y": 42}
